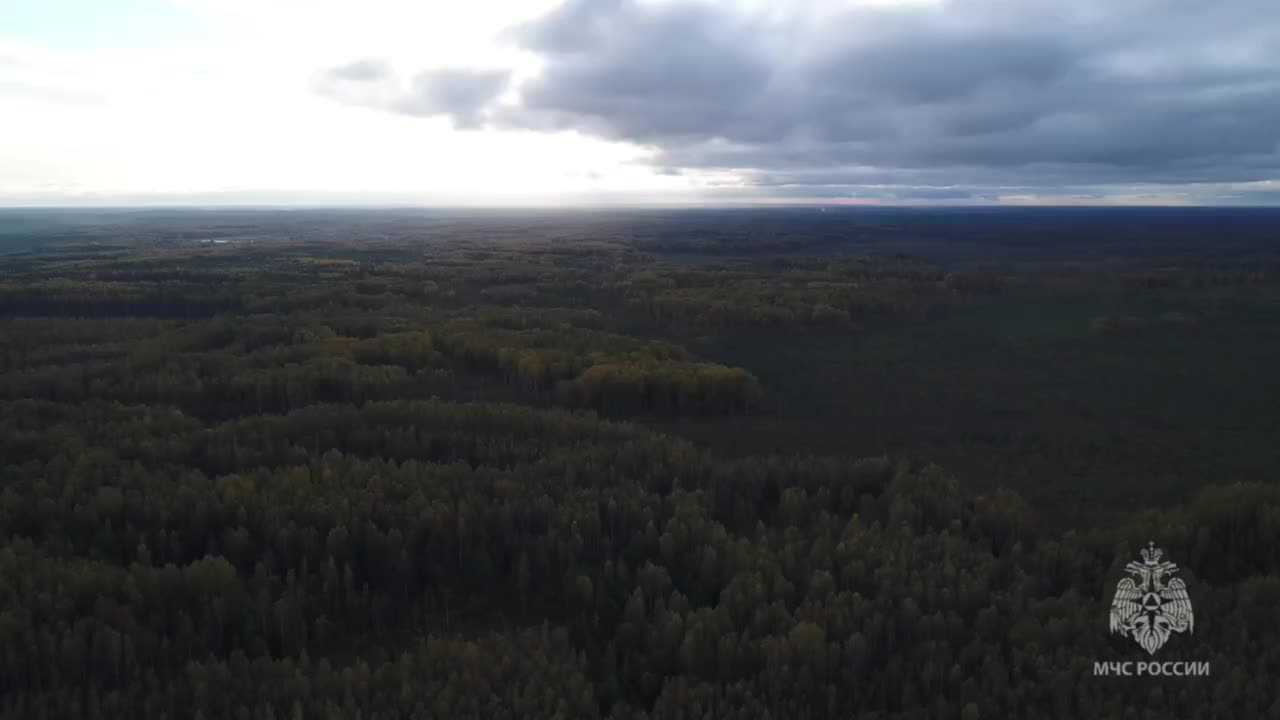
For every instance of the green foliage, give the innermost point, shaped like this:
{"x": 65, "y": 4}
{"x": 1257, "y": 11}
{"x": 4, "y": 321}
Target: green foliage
{"x": 381, "y": 482}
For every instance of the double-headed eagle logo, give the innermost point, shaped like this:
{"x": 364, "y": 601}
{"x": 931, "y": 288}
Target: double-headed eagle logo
{"x": 1146, "y": 607}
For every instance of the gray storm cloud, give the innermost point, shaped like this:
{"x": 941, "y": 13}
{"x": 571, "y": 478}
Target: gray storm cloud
{"x": 958, "y": 98}
{"x": 461, "y": 94}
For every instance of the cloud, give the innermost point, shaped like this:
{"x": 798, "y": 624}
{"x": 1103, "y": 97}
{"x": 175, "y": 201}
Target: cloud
{"x": 629, "y": 72}
{"x": 461, "y": 94}
{"x": 981, "y": 94}
{"x": 360, "y": 71}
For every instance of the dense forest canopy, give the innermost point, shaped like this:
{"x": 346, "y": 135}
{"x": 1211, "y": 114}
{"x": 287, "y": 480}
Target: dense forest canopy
{"x": 644, "y": 464}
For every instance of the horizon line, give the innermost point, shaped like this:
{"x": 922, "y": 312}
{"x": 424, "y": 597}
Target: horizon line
{"x": 630, "y": 205}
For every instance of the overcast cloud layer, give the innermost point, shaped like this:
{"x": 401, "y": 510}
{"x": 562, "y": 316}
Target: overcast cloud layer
{"x": 957, "y": 100}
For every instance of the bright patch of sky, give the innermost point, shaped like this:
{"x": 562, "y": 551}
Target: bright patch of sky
{"x": 156, "y": 98}
{"x": 96, "y": 24}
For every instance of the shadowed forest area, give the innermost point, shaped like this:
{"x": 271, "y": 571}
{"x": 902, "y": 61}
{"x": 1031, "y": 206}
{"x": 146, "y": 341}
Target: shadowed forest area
{"x": 753, "y": 463}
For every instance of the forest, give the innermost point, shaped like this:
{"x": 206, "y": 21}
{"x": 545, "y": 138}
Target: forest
{"x": 774, "y": 463}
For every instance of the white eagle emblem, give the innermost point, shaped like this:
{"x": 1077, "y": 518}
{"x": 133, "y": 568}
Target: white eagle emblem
{"x": 1146, "y": 607}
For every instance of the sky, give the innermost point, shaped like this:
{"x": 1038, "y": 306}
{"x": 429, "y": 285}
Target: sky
{"x": 563, "y": 102}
